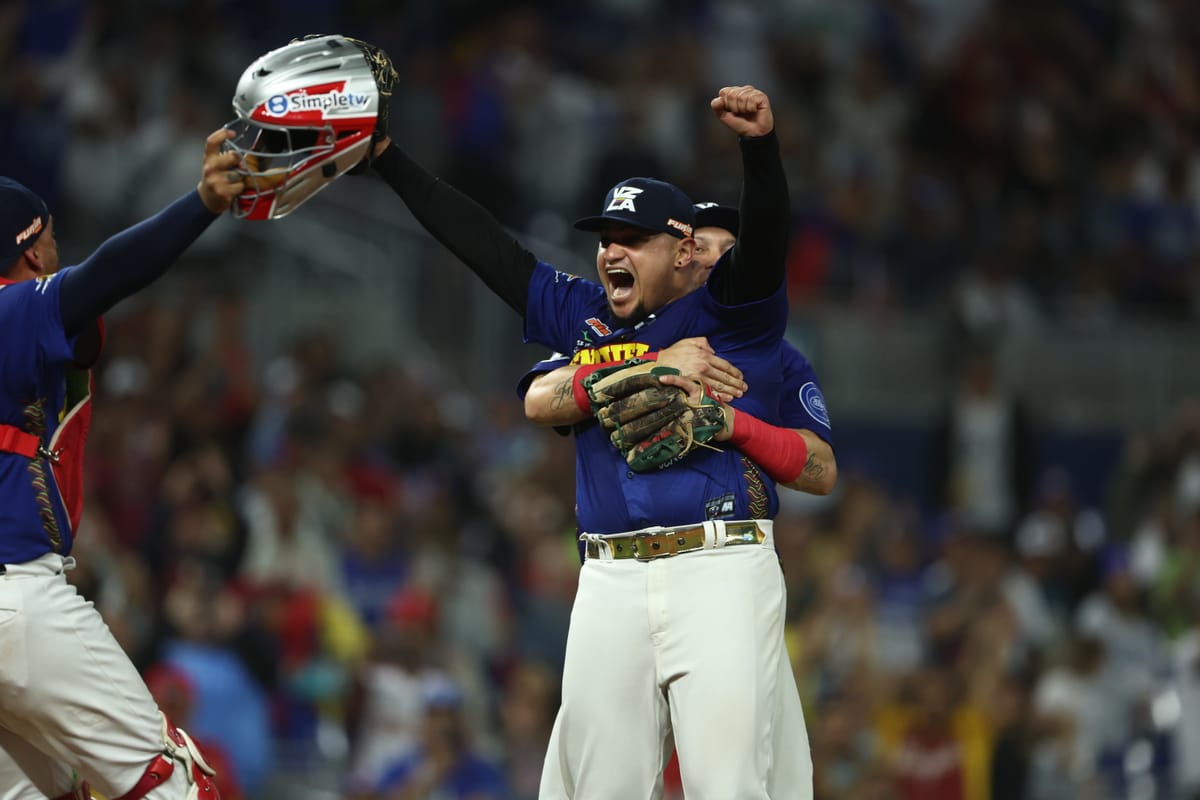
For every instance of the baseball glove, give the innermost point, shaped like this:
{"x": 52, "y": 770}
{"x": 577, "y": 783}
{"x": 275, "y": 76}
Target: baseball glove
{"x": 650, "y": 423}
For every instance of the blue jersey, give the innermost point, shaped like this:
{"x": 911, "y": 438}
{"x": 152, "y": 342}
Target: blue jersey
{"x": 570, "y": 315}
{"x": 33, "y": 392}
{"x": 801, "y": 404}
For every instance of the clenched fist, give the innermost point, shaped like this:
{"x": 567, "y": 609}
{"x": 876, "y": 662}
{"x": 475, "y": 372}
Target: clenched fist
{"x": 745, "y": 110}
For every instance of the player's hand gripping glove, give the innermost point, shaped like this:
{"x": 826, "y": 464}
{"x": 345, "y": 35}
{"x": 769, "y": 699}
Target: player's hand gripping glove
{"x": 650, "y": 423}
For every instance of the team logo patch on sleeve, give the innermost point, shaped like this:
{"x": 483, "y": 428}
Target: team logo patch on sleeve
{"x": 814, "y": 403}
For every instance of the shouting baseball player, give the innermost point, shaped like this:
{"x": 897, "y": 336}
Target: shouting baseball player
{"x": 802, "y": 409}
{"x": 690, "y": 643}
{"x": 73, "y": 709}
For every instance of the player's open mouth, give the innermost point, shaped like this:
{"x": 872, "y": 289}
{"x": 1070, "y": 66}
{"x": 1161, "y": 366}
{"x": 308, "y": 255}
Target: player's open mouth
{"x": 620, "y": 284}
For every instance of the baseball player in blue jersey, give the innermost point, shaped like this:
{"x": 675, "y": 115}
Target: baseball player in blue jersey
{"x": 73, "y": 709}
{"x": 689, "y": 644}
{"x": 802, "y": 409}
{"x": 801, "y": 403}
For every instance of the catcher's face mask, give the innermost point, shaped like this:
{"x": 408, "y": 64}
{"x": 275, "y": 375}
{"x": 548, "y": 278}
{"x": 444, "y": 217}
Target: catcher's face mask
{"x": 306, "y": 113}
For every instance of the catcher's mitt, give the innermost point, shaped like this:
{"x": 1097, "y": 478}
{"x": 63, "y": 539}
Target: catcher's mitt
{"x": 650, "y": 423}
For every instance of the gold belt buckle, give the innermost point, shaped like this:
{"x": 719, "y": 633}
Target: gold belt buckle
{"x": 660, "y": 544}
{"x": 744, "y": 533}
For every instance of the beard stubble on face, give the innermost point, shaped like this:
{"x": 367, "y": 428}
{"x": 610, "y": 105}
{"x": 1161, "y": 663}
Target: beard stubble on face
{"x": 638, "y": 314}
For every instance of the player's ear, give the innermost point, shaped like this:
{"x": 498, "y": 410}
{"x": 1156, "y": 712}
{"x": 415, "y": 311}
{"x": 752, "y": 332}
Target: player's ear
{"x": 32, "y": 259}
{"x": 685, "y": 251}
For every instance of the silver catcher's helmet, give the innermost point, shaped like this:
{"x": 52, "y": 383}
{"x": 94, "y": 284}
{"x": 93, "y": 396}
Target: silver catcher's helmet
{"x": 306, "y": 113}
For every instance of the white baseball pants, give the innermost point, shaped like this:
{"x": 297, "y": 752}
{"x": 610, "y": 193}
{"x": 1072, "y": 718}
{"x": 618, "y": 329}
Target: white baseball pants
{"x": 70, "y": 698}
{"x": 690, "y": 645}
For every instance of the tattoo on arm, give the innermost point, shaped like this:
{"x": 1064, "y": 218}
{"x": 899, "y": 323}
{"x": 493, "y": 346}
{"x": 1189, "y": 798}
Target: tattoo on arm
{"x": 563, "y": 394}
{"x": 813, "y": 469}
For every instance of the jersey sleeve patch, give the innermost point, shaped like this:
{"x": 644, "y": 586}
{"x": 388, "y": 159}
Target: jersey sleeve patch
{"x": 814, "y": 403}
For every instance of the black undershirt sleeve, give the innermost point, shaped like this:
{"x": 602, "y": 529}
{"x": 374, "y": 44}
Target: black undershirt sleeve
{"x": 466, "y": 228}
{"x": 756, "y": 265}
{"x": 129, "y": 261}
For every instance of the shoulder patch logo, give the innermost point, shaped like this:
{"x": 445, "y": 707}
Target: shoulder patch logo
{"x": 623, "y": 198}
{"x": 814, "y": 403}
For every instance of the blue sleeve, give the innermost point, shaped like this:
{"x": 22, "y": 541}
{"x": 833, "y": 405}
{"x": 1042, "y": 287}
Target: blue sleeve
{"x": 747, "y": 324}
{"x": 131, "y": 260}
{"x": 801, "y": 404}
{"x": 540, "y": 368}
{"x": 556, "y": 305}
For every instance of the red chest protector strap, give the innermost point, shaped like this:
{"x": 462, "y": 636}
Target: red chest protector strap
{"x": 66, "y": 448}
{"x": 15, "y": 440}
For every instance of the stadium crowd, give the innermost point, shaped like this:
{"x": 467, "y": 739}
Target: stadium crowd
{"x": 324, "y": 565}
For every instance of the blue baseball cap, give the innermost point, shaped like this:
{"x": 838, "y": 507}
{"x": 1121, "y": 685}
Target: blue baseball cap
{"x": 645, "y": 203}
{"x": 715, "y": 215}
{"x": 23, "y": 217}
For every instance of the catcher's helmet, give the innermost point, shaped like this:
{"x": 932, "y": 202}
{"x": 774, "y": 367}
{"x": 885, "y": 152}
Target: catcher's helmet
{"x": 306, "y": 113}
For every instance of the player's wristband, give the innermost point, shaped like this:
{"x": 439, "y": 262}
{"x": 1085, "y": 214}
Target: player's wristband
{"x": 578, "y": 391}
{"x": 781, "y": 453}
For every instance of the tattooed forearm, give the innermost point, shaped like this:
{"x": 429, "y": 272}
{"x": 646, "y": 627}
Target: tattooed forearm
{"x": 813, "y": 469}
{"x": 563, "y": 395}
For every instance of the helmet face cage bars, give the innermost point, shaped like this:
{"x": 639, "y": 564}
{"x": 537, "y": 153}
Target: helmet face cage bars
{"x": 269, "y": 156}
{"x": 305, "y": 115}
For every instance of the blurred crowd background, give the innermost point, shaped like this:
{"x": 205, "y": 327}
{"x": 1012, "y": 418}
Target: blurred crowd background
{"x": 320, "y": 524}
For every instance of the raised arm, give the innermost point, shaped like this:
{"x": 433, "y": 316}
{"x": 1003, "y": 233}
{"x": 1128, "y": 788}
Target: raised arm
{"x": 755, "y": 267}
{"x": 463, "y": 226}
{"x": 137, "y": 256}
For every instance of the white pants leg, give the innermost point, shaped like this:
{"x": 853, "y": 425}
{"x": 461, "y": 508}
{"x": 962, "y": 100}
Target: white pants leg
{"x": 791, "y": 775}
{"x": 609, "y": 734}
{"x": 69, "y": 690}
{"x": 706, "y": 629}
{"x": 724, "y": 612}
{"x": 26, "y": 774}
